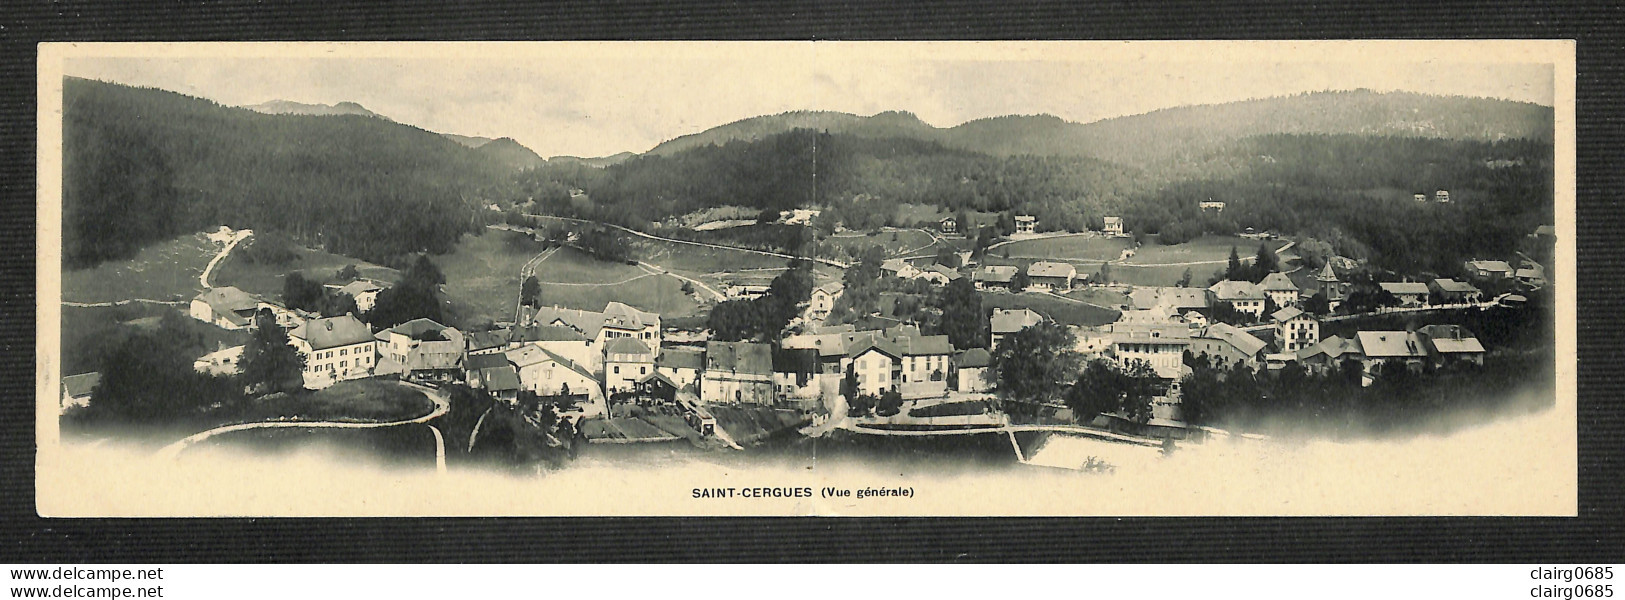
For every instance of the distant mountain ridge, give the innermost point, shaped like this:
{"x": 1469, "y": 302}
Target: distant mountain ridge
{"x": 509, "y": 152}
{"x": 1172, "y": 133}
{"x": 289, "y": 107}
{"x": 468, "y": 140}
{"x": 598, "y": 162}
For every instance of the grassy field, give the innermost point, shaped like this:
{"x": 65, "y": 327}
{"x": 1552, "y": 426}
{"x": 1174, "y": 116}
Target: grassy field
{"x": 656, "y": 293}
{"x": 893, "y": 242}
{"x": 482, "y": 275}
{"x": 359, "y": 400}
{"x": 1099, "y": 295}
{"x": 1061, "y": 311}
{"x": 693, "y": 260}
{"x": 163, "y": 271}
{"x": 1211, "y": 248}
{"x": 266, "y": 280}
{"x": 569, "y": 265}
{"x": 1079, "y": 247}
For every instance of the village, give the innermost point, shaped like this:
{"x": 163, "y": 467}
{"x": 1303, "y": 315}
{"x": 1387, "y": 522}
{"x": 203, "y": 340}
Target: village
{"x": 617, "y": 375}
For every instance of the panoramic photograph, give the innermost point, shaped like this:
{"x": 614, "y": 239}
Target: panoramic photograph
{"x": 806, "y": 278}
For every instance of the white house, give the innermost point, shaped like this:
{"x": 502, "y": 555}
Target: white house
{"x": 1295, "y": 330}
{"x": 616, "y": 321}
{"x": 225, "y": 361}
{"x": 1207, "y": 205}
{"x": 823, "y": 300}
{"x": 1243, "y": 296}
{"x": 1162, "y": 347}
{"x": 898, "y": 267}
{"x": 737, "y": 372}
{"x": 1280, "y": 289}
{"x": 421, "y": 347}
{"x": 994, "y": 276}
{"x": 1408, "y": 293}
{"x": 1026, "y": 224}
{"x": 795, "y": 375}
{"x": 626, "y": 362}
{"x": 1005, "y": 322}
{"x": 683, "y": 366}
{"x": 547, "y": 374}
{"x": 1051, "y": 276}
{"x": 335, "y": 349}
{"x": 1228, "y": 345}
{"x": 901, "y": 360}
{"x": 1379, "y": 347}
{"x": 972, "y": 369}
{"x": 364, "y": 291}
{"x": 560, "y": 340}
{"x": 225, "y": 307}
{"x": 1113, "y": 226}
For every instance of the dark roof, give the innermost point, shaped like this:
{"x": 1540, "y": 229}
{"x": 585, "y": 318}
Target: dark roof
{"x": 545, "y": 333}
{"x": 740, "y": 357}
{"x": 485, "y": 340}
{"x": 681, "y": 358}
{"x": 996, "y": 273}
{"x": 974, "y": 358}
{"x": 792, "y": 360}
{"x": 1407, "y": 288}
{"x": 1452, "y": 286}
{"x": 1286, "y": 314}
{"x": 421, "y": 330}
{"x": 500, "y": 379}
{"x": 485, "y": 361}
{"x": 333, "y": 332}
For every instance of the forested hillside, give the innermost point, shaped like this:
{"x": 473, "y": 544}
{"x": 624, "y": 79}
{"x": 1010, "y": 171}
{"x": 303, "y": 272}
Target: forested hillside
{"x": 1171, "y": 137}
{"x": 142, "y": 165}
{"x": 1356, "y": 192}
{"x": 777, "y": 172}
{"x": 506, "y": 151}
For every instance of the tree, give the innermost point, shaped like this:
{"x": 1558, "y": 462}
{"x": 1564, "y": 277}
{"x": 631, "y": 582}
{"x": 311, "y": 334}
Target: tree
{"x": 963, "y": 320}
{"x": 1140, "y": 387}
{"x": 1233, "y": 271}
{"x": 891, "y": 403}
{"x": 1020, "y": 281}
{"x": 849, "y": 384}
{"x": 1035, "y": 363}
{"x": 1318, "y": 304}
{"x": 735, "y": 320}
{"x": 269, "y": 363}
{"x": 301, "y": 293}
{"x": 147, "y": 377}
{"x": 767, "y": 216}
{"x": 338, "y": 305}
{"x": 1096, "y": 391}
{"x": 415, "y": 296}
{"x": 1265, "y": 263}
{"x": 1105, "y": 274}
{"x": 947, "y": 257}
{"x": 530, "y": 292}
{"x": 1185, "y": 280}
{"x": 348, "y": 273}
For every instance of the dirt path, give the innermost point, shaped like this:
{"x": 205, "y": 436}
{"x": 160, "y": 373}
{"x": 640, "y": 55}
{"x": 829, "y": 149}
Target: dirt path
{"x": 656, "y": 269}
{"x": 442, "y": 405}
{"x": 240, "y": 235}
{"x": 122, "y": 303}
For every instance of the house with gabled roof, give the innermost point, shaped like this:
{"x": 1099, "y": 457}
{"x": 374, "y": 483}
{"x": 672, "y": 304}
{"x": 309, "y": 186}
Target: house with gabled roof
{"x": 364, "y": 291}
{"x": 335, "y": 349}
{"x": 1489, "y": 269}
{"x": 1329, "y": 353}
{"x": 1026, "y": 224}
{"x": 1448, "y": 344}
{"x": 1409, "y": 293}
{"x": 1243, "y": 296}
{"x": 1228, "y": 345}
{"x": 1295, "y": 329}
{"x": 421, "y": 348}
{"x": 823, "y": 300}
{"x": 1004, "y": 322}
{"x": 1112, "y": 226}
{"x": 1280, "y": 289}
{"x": 994, "y": 276}
{"x": 683, "y": 366}
{"x": 1180, "y": 299}
{"x": 225, "y": 307}
{"x": 626, "y": 362}
{"x": 616, "y": 321}
{"x": 1454, "y": 292}
{"x": 1051, "y": 276}
{"x": 971, "y": 370}
{"x": 546, "y": 373}
{"x": 737, "y": 373}
{"x": 1378, "y": 348}
{"x": 1160, "y": 346}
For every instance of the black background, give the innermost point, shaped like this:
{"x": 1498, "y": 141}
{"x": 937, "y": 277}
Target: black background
{"x": 1593, "y": 537}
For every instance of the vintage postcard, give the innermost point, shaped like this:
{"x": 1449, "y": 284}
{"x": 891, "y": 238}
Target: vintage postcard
{"x": 806, "y": 278}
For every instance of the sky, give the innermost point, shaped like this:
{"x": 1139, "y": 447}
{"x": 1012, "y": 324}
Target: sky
{"x": 597, "y": 99}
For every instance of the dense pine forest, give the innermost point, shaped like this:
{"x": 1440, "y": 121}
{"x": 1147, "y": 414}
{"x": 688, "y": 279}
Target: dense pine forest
{"x": 142, "y": 165}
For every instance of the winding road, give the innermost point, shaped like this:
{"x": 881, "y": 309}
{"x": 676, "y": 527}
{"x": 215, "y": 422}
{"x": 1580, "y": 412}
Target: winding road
{"x": 442, "y": 405}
